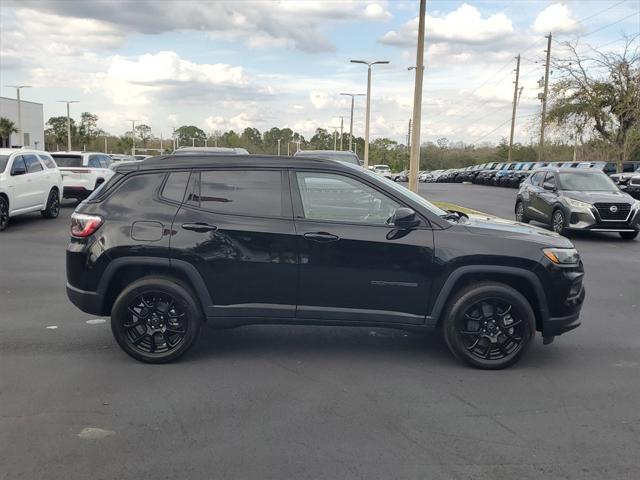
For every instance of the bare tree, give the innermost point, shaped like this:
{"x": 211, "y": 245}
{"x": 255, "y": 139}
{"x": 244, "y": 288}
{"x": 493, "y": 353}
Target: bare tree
{"x": 598, "y": 91}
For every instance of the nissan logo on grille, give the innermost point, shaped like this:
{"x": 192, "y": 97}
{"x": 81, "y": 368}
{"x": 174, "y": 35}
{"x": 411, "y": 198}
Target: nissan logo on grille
{"x": 613, "y": 209}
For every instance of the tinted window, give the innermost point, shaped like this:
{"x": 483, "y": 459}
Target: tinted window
{"x": 326, "y": 196}
{"x": 4, "y": 159}
{"x": 242, "y": 192}
{"x": 48, "y": 161}
{"x": 536, "y": 178}
{"x": 175, "y": 186}
{"x": 550, "y": 179}
{"x": 18, "y": 164}
{"x": 68, "y": 160}
{"x": 94, "y": 161}
{"x": 33, "y": 163}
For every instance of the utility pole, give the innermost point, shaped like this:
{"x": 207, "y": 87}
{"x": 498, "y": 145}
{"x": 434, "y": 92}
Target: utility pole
{"x": 368, "y": 112}
{"x": 20, "y": 134}
{"x": 68, "y": 102}
{"x": 544, "y": 99}
{"x": 414, "y": 160}
{"x": 133, "y": 137}
{"x": 409, "y": 141}
{"x": 161, "y": 148}
{"x": 515, "y": 104}
{"x": 105, "y": 144}
{"x": 341, "y": 131}
{"x": 352, "y": 95}
{"x": 278, "y": 147}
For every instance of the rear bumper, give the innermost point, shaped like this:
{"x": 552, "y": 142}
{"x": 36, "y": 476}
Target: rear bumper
{"x": 75, "y": 192}
{"x": 88, "y": 302}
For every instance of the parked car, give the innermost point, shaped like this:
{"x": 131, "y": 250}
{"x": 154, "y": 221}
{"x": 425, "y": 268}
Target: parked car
{"x": 487, "y": 177}
{"x": 141, "y": 157}
{"x": 628, "y": 170}
{"x": 167, "y": 244}
{"x": 402, "y": 176}
{"x": 570, "y": 199}
{"x": 29, "y": 182}
{"x": 383, "y": 171}
{"x": 82, "y": 172}
{"x": 632, "y": 186}
{"x": 341, "y": 156}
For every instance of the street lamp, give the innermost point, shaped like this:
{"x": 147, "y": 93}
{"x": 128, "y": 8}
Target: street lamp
{"x": 68, "y": 102}
{"x": 20, "y": 135}
{"x": 133, "y": 137}
{"x": 368, "y": 112}
{"x": 351, "y": 121}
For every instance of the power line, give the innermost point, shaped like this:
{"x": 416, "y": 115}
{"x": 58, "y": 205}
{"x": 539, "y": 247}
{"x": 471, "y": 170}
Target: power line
{"x": 492, "y": 131}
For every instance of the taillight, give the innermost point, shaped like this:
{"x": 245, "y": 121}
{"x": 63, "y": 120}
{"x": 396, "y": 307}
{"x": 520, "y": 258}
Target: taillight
{"x": 83, "y": 225}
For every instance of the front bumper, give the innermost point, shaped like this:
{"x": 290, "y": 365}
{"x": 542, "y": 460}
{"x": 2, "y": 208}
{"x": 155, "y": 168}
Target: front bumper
{"x": 554, "y": 326}
{"x": 592, "y": 222}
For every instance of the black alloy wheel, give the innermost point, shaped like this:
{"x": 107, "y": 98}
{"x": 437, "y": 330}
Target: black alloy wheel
{"x": 489, "y": 325}
{"x": 52, "y": 209}
{"x": 156, "y": 319}
{"x": 520, "y": 215}
{"x": 4, "y": 213}
{"x": 558, "y": 222}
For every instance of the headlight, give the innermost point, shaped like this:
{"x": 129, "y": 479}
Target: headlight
{"x": 579, "y": 206}
{"x": 562, "y": 256}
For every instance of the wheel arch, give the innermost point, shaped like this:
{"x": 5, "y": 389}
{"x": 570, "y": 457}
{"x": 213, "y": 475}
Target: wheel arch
{"x": 524, "y": 281}
{"x": 122, "y": 271}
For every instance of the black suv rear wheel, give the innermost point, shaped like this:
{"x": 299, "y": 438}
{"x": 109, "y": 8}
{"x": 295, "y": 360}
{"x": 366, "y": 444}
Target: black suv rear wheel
{"x": 156, "y": 319}
{"x": 489, "y": 325}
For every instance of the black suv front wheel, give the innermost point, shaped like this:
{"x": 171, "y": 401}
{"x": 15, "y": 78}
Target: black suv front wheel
{"x": 156, "y": 319}
{"x": 489, "y": 325}
{"x": 629, "y": 235}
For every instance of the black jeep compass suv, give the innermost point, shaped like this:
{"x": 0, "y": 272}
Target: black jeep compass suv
{"x": 174, "y": 241}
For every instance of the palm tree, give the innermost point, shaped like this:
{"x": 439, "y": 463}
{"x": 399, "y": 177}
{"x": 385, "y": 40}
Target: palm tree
{"x": 7, "y": 127}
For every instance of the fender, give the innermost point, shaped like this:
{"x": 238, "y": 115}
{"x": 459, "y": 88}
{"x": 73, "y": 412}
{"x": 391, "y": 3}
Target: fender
{"x": 186, "y": 268}
{"x": 447, "y": 289}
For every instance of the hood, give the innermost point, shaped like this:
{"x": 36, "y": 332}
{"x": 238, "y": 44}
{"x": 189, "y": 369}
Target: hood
{"x": 502, "y": 228}
{"x": 597, "y": 197}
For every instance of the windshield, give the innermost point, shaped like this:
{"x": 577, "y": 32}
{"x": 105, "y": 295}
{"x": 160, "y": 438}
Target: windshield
{"x": 68, "y": 160}
{"x": 3, "y": 162}
{"x": 591, "y": 182}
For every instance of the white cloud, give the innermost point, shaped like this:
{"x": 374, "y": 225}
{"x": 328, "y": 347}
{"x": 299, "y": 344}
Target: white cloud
{"x": 555, "y": 18}
{"x": 319, "y": 99}
{"x": 375, "y": 11}
{"x": 463, "y": 25}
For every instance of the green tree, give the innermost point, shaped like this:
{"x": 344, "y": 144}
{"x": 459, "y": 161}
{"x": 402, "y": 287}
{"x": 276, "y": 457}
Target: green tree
{"x": 144, "y": 133}
{"x": 186, "y": 133}
{"x": 7, "y": 127}
{"x": 600, "y": 91}
{"x": 57, "y": 130}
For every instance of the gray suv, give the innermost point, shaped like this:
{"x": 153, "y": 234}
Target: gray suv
{"x": 575, "y": 199}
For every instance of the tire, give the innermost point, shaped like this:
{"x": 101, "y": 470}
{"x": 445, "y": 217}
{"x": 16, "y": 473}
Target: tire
{"x": 520, "y": 215}
{"x": 559, "y": 222}
{"x": 489, "y": 325}
{"x": 4, "y": 213}
{"x": 52, "y": 209}
{"x": 629, "y": 235}
{"x": 156, "y": 319}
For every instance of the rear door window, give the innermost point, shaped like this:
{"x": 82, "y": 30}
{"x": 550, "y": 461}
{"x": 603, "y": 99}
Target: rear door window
{"x": 33, "y": 163}
{"x": 175, "y": 186}
{"x": 240, "y": 192}
{"x": 18, "y": 164}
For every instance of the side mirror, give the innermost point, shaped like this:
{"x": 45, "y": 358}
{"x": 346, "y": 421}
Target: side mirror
{"x": 405, "y": 218}
{"x": 549, "y": 186}
{"x": 18, "y": 171}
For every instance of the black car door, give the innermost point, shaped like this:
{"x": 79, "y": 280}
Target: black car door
{"x": 354, "y": 266}
{"x": 236, "y": 228}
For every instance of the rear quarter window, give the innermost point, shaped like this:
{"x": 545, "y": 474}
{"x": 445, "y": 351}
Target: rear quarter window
{"x": 48, "y": 161}
{"x": 175, "y": 186}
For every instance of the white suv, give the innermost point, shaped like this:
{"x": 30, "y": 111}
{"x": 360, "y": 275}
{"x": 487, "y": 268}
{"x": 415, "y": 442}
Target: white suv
{"x": 82, "y": 172}
{"x": 29, "y": 182}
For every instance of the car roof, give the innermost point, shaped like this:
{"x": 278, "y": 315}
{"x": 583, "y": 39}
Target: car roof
{"x": 577, "y": 171}
{"x": 320, "y": 152}
{"x": 213, "y": 160}
{"x": 10, "y": 151}
{"x": 76, "y": 153}
{"x": 216, "y": 150}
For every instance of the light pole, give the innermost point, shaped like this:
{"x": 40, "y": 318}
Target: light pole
{"x": 20, "y": 135}
{"x": 278, "y": 147}
{"x": 133, "y": 138}
{"x": 414, "y": 159}
{"x": 351, "y": 118}
{"x": 68, "y": 102}
{"x": 341, "y": 130}
{"x": 368, "y": 112}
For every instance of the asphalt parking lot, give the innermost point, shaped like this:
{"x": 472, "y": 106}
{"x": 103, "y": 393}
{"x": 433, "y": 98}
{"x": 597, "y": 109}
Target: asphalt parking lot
{"x": 318, "y": 403}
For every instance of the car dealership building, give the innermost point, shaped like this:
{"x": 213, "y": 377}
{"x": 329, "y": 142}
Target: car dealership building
{"x": 32, "y": 122}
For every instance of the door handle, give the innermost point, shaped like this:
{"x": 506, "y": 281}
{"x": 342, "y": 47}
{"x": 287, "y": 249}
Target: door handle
{"x": 323, "y": 237}
{"x": 199, "y": 227}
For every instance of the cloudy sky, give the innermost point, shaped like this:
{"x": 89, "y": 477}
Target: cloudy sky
{"x": 232, "y": 64}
